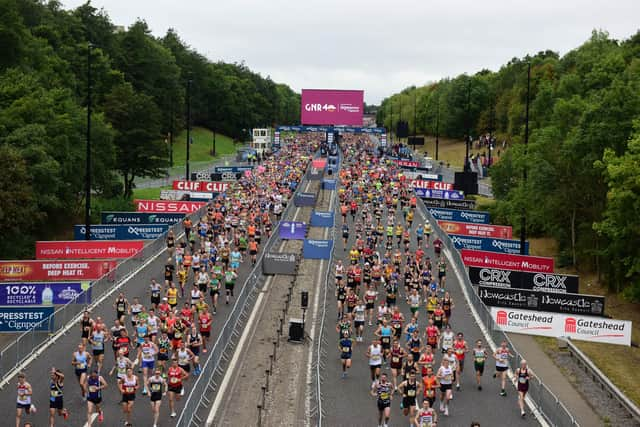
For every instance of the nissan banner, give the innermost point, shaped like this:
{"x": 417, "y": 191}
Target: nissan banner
{"x": 88, "y": 249}
{"x": 534, "y": 264}
{"x": 162, "y": 206}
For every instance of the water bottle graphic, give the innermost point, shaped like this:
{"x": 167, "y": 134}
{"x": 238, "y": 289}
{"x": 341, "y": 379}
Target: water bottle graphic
{"x": 47, "y": 296}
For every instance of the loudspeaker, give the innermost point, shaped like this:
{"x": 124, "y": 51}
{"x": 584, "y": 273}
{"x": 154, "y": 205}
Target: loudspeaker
{"x": 296, "y": 330}
{"x": 304, "y": 299}
{"x": 467, "y": 182}
{"x": 402, "y": 129}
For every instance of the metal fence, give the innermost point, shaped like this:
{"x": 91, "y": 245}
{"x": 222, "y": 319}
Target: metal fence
{"x": 544, "y": 401}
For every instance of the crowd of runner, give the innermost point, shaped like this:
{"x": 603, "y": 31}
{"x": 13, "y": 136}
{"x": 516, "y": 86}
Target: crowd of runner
{"x": 417, "y": 353}
{"x": 158, "y": 339}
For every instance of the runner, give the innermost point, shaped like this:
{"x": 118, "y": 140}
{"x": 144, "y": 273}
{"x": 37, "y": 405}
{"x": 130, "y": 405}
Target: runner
{"x": 445, "y": 378}
{"x": 502, "y": 355}
{"x": 121, "y": 306}
{"x": 426, "y": 416}
{"x": 147, "y": 359}
{"x": 523, "y": 376}
{"x": 205, "y": 320}
{"x": 479, "y": 357}
{"x": 56, "y": 398}
{"x": 410, "y": 389}
{"x": 157, "y": 387}
{"x": 81, "y": 360}
{"x": 195, "y": 342}
{"x": 230, "y": 277}
{"x": 98, "y": 338}
{"x": 86, "y": 326}
{"x": 374, "y": 354}
{"x": 95, "y": 385}
{"x": 23, "y": 401}
{"x": 346, "y": 349}
{"x": 460, "y": 348}
{"x": 359, "y": 316}
{"x": 397, "y": 356}
{"x": 128, "y": 386}
{"x": 176, "y": 375}
{"x": 429, "y": 385}
{"x": 383, "y": 391}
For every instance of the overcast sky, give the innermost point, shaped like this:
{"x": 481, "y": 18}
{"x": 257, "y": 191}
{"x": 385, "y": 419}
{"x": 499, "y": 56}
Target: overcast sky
{"x": 379, "y": 46}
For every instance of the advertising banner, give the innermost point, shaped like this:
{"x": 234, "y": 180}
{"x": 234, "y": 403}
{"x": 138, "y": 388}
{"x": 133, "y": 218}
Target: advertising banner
{"x": 543, "y": 282}
{"x": 121, "y": 231}
{"x": 232, "y": 169}
{"x": 140, "y": 218}
{"x": 331, "y": 107}
{"x": 203, "y": 186}
{"x": 474, "y": 217}
{"x": 479, "y": 230}
{"x": 186, "y": 195}
{"x": 227, "y": 176}
{"x": 317, "y": 249}
{"x": 279, "y": 263}
{"x": 162, "y": 206}
{"x": 34, "y": 271}
{"x": 383, "y": 140}
{"x": 433, "y": 185}
{"x": 328, "y": 184}
{"x": 505, "y": 246}
{"x": 21, "y": 319}
{"x": 319, "y": 163}
{"x": 46, "y": 293}
{"x": 292, "y": 230}
{"x": 577, "y": 327}
{"x": 322, "y": 219}
{"x": 589, "y": 305}
{"x": 87, "y": 249}
{"x": 439, "y": 194}
{"x": 356, "y": 129}
{"x": 409, "y": 164}
{"x": 528, "y": 263}
{"x": 315, "y": 174}
{"x": 304, "y": 199}
{"x": 449, "y": 204}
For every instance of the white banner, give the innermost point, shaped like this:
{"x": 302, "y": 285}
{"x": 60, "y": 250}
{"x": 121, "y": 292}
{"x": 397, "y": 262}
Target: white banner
{"x": 584, "y": 328}
{"x": 178, "y": 194}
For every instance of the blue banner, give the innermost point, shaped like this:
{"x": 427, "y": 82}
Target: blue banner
{"x": 21, "y": 319}
{"x": 232, "y": 169}
{"x": 45, "y": 293}
{"x": 292, "y": 230}
{"x": 439, "y": 194}
{"x": 317, "y": 249}
{"x": 322, "y": 219}
{"x": 329, "y": 184}
{"x": 304, "y": 199}
{"x": 474, "y": 217}
{"x": 140, "y": 218}
{"x": 121, "y": 231}
{"x": 505, "y": 246}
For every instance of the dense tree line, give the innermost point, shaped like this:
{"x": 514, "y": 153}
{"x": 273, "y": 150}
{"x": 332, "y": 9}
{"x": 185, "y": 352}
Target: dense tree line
{"x": 583, "y": 156}
{"x": 138, "y": 97}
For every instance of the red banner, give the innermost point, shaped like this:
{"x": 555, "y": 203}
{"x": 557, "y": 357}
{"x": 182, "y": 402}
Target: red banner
{"x": 532, "y": 264}
{"x": 161, "y": 206}
{"x": 202, "y": 186}
{"x": 408, "y": 163}
{"x": 319, "y": 163}
{"x": 88, "y": 249}
{"x": 477, "y": 230}
{"x": 29, "y": 271}
{"x": 431, "y": 185}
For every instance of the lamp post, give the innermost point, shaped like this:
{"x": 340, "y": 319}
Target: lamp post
{"x": 523, "y": 226}
{"x": 188, "y": 178}
{"x": 415, "y": 117}
{"x": 467, "y": 165}
{"x": 437, "y": 125}
{"x": 87, "y": 181}
{"x": 171, "y": 135}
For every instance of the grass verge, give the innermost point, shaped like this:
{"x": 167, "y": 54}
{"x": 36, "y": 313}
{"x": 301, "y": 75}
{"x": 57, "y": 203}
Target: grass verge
{"x": 200, "y": 149}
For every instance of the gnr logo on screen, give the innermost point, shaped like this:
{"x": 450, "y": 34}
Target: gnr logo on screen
{"x": 320, "y": 107}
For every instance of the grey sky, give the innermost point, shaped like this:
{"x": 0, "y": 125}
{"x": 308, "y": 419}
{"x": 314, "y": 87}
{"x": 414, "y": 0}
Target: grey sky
{"x": 379, "y": 46}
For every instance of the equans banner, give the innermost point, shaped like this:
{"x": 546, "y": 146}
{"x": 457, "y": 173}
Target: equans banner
{"x": 449, "y": 204}
{"x": 279, "y": 263}
{"x": 47, "y": 293}
{"x": 506, "y": 246}
{"x": 121, "y": 231}
{"x": 292, "y": 230}
{"x": 317, "y": 249}
{"x": 543, "y": 282}
{"x": 478, "y": 230}
{"x": 577, "y": 327}
{"x": 88, "y": 249}
{"x": 535, "y": 264}
{"x": 34, "y": 271}
{"x": 474, "y": 217}
{"x": 304, "y": 199}
{"x": 322, "y": 219}
{"x": 331, "y": 107}
{"x": 589, "y": 305}
{"x": 439, "y": 194}
{"x": 162, "y": 206}
{"x": 432, "y": 185}
{"x": 21, "y": 319}
{"x": 328, "y": 184}
{"x": 140, "y": 218}
{"x": 203, "y": 186}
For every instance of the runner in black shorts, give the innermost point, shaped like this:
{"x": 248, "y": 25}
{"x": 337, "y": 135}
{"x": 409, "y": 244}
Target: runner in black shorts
{"x": 157, "y": 385}
{"x": 56, "y": 403}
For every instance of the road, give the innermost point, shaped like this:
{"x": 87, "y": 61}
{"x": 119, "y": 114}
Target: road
{"x": 346, "y": 402}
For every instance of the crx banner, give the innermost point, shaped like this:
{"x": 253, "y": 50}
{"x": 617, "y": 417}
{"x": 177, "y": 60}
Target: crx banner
{"x": 534, "y": 264}
{"x": 88, "y": 249}
{"x": 474, "y": 217}
{"x": 449, "y": 204}
{"x": 506, "y": 246}
{"x": 33, "y": 271}
{"x": 478, "y": 230}
{"x": 162, "y": 206}
{"x": 203, "y": 186}
{"x": 577, "y": 327}
{"x": 140, "y": 218}
{"x": 121, "y": 231}
{"x": 544, "y": 282}
{"x": 590, "y": 305}
{"x": 44, "y": 293}
{"x": 317, "y": 249}
{"x": 21, "y": 319}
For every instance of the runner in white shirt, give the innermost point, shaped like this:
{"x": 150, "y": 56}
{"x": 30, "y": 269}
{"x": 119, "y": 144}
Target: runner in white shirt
{"x": 374, "y": 354}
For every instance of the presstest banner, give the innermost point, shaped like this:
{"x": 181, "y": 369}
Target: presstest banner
{"x": 45, "y": 293}
{"x": 577, "y": 327}
{"x": 202, "y": 186}
{"x": 21, "y": 319}
{"x": 473, "y": 217}
{"x": 331, "y": 107}
{"x": 478, "y": 230}
{"x": 506, "y": 246}
{"x": 140, "y": 218}
{"x": 162, "y": 206}
{"x": 34, "y": 271}
{"x": 589, "y": 305}
{"x": 529, "y": 263}
{"x": 121, "y": 231}
{"x": 87, "y": 249}
{"x": 449, "y": 204}
{"x": 432, "y": 185}
{"x": 543, "y": 282}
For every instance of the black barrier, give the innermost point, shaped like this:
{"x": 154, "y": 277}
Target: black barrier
{"x": 304, "y": 199}
{"x": 544, "y": 282}
{"x": 315, "y": 174}
{"x": 591, "y": 305}
{"x": 450, "y": 204}
{"x": 279, "y": 263}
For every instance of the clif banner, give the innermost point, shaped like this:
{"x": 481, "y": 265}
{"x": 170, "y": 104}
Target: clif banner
{"x": 33, "y": 271}
{"x": 202, "y": 186}
{"x": 88, "y": 249}
{"x": 478, "y": 230}
{"x": 432, "y": 185}
{"x": 534, "y": 264}
{"x": 331, "y": 107}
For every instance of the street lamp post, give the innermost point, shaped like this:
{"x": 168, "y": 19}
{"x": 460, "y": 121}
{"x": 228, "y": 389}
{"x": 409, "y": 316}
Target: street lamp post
{"x": 87, "y": 200}
{"x": 415, "y": 118}
{"x": 437, "y": 125}
{"x": 467, "y": 165}
{"x": 188, "y": 177}
{"x": 523, "y": 226}
{"x": 171, "y": 135}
